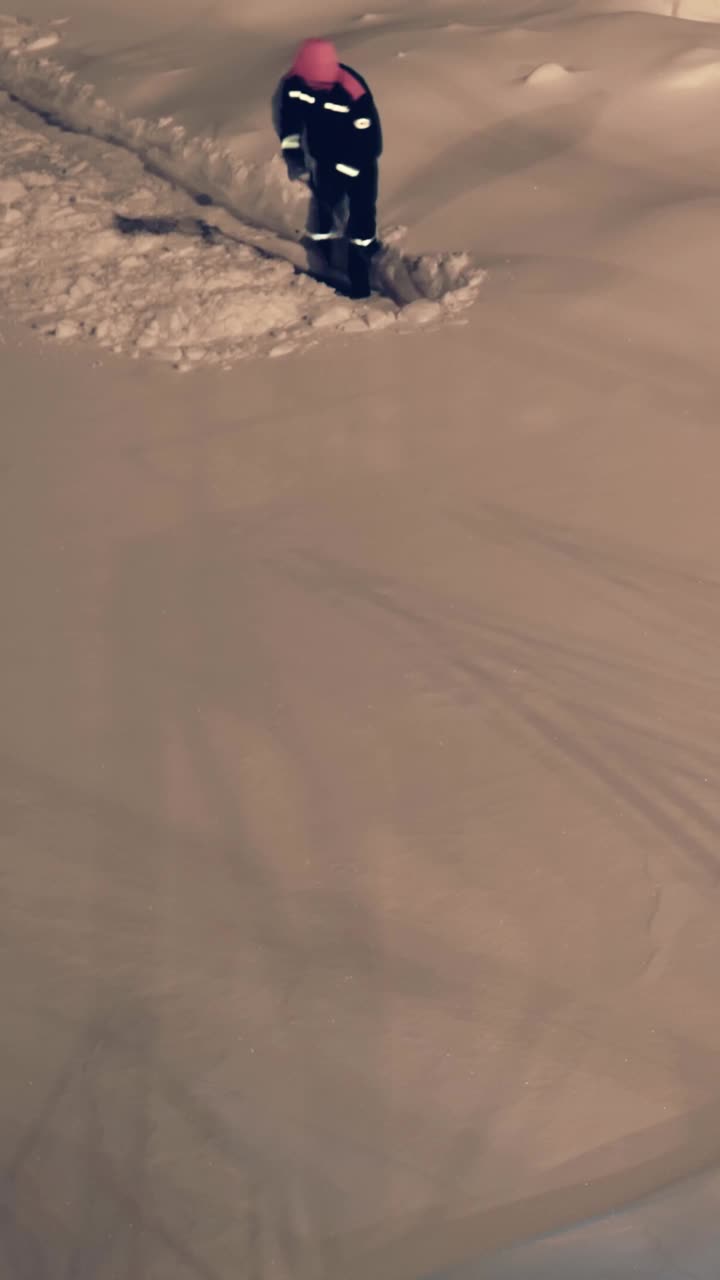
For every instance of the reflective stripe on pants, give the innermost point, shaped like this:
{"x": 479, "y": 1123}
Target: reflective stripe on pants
{"x": 335, "y": 196}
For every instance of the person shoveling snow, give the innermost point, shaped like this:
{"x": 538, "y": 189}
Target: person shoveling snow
{"x": 330, "y": 136}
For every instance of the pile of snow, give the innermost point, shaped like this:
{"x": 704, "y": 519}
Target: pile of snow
{"x": 548, "y": 73}
{"x": 170, "y": 289}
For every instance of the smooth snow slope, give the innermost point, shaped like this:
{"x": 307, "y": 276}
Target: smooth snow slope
{"x": 360, "y": 709}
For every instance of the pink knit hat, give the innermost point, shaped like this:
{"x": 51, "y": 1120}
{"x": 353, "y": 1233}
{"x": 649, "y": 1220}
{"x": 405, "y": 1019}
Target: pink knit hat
{"x": 316, "y": 62}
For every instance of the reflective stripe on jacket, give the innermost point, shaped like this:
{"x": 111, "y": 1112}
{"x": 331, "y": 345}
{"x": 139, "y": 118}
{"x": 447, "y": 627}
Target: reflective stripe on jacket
{"x": 337, "y": 125}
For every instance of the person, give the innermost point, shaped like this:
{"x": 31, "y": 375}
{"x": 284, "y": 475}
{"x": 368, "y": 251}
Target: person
{"x": 330, "y": 137}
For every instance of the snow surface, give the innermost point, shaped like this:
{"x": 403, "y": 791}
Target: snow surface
{"x": 359, "y": 799}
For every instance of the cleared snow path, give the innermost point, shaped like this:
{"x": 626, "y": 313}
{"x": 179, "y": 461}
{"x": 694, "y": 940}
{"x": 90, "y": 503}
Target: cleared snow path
{"x": 186, "y": 288}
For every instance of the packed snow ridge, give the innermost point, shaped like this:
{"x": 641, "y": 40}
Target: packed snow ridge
{"x": 98, "y": 244}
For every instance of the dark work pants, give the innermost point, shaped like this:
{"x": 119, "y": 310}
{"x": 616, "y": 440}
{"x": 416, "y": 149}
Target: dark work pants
{"x": 337, "y": 196}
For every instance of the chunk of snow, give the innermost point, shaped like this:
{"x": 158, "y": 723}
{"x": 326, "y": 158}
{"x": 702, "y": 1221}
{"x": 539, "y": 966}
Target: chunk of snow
{"x": 546, "y": 74}
{"x": 66, "y": 330}
{"x": 11, "y": 190}
{"x": 421, "y": 312}
{"x": 377, "y": 320}
{"x": 282, "y": 349}
{"x": 43, "y": 42}
{"x": 334, "y": 314}
{"x": 35, "y": 179}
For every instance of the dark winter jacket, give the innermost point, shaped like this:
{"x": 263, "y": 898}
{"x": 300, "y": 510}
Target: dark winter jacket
{"x": 334, "y": 126}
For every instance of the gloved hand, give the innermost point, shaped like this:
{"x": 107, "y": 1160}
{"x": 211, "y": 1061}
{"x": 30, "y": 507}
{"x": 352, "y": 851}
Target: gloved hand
{"x": 296, "y": 168}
